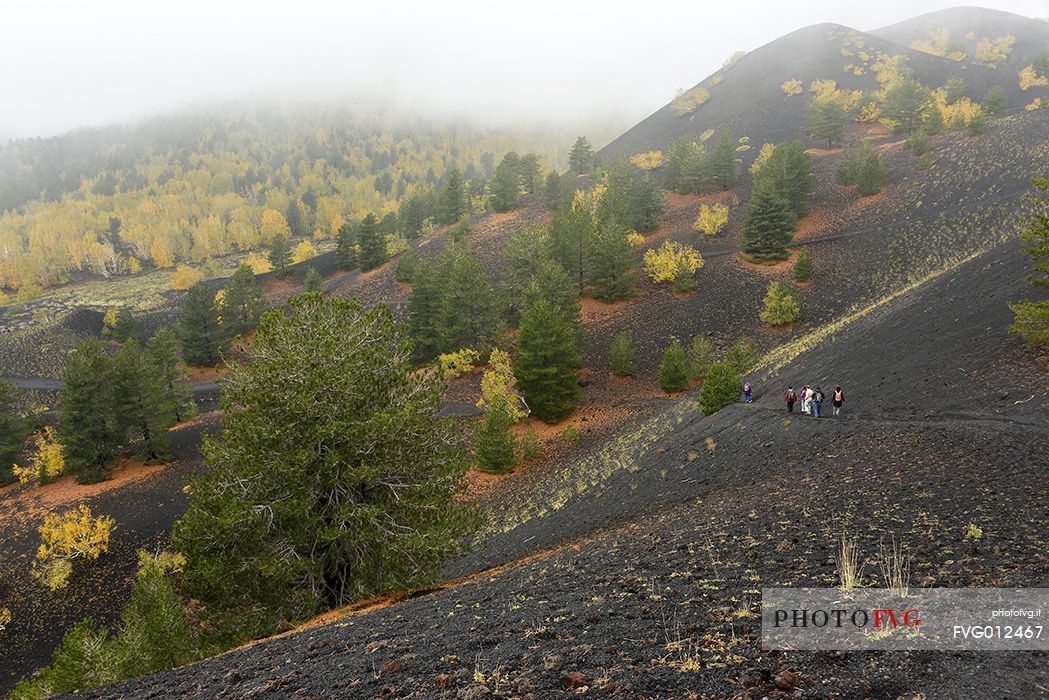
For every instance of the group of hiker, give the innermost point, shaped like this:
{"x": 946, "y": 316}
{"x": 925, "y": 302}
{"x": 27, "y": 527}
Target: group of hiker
{"x": 812, "y": 400}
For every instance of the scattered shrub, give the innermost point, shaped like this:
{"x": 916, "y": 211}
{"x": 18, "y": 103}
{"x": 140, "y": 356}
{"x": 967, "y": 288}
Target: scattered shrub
{"x": 781, "y": 304}
{"x": 74, "y": 534}
{"x": 712, "y": 218}
{"x": 454, "y": 364}
{"x": 648, "y": 161}
{"x": 530, "y": 445}
{"x": 47, "y": 461}
{"x": 569, "y": 434}
{"x": 673, "y": 262}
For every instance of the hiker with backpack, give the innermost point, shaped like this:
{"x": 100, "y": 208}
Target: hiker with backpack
{"x": 806, "y": 399}
{"x": 746, "y": 393}
{"x": 838, "y": 400}
{"x": 817, "y": 402}
{"x": 790, "y": 397}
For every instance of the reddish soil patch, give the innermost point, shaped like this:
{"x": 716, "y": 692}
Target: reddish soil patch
{"x": 201, "y": 375}
{"x": 31, "y": 501}
{"x": 770, "y": 269}
{"x": 819, "y": 222}
{"x": 820, "y": 152}
{"x": 591, "y": 310}
{"x": 276, "y": 287}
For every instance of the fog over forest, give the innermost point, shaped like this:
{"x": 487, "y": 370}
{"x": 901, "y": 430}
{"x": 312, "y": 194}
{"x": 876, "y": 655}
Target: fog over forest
{"x": 68, "y": 64}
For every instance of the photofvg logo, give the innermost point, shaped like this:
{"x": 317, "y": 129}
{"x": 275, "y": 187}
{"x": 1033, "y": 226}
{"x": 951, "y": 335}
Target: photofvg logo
{"x": 933, "y": 618}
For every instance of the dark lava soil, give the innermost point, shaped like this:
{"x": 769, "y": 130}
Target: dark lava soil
{"x": 647, "y": 582}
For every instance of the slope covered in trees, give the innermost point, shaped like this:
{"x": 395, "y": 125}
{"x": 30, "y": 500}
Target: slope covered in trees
{"x": 186, "y": 188}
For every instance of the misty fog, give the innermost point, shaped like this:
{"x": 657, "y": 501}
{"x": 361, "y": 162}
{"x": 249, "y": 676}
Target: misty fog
{"x": 68, "y": 64}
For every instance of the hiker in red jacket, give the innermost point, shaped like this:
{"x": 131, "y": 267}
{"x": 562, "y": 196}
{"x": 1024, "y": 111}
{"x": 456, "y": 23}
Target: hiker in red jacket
{"x": 790, "y": 397}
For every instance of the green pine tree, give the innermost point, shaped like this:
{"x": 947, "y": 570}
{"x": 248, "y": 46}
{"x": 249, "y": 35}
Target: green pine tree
{"x": 581, "y": 157}
{"x": 612, "y": 259}
{"x": 89, "y": 429}
{"x": 722, "y": 166}
{"x": 346, "y": 246}
{"x": 13, "y": 430}
{"x": 452, "y": 204}
{"x": 506, "y": 186}
{"x": 313, "y": 281}
{"x": 371, "y": 506}
{"x": 1031, "y": 318}
{"x": 242, "y": 302}
{"x": 280, "y": 254}
{"x": 700, "y": 357}
{"x": 496, "y": 447}
{"x": 905, "y": 102}
{"x": 673, "y": 369}
{"x": 803, "y": 266}
{"x": 296, "y": 218}
{"x": 768, "y": 227}
{"x": 741, "y": 356}
{"x": 423, "y": 303}
{"x": 545, "y": 361}
{"x": 995, "y": 103}
{"x": 720, "y": 389}
{"x": 789, "y": 172}
{"x": 622, "y": 355}
{"x": 552, "y": 191}
{"x": 825, "y": 120}
{"x": 141, "y": 402}
{"x": 468, "y": 312}
{"x": 372, "y": 244}
{"x": 202, "y": 339}
{"x": 164, "y": 353}
{"x": 871, "y": 176}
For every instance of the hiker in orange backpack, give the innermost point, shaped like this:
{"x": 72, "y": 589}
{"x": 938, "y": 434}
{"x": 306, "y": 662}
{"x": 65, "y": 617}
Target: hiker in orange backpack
{"x": 838, "y": 400}
{"x": 790, "y": 397}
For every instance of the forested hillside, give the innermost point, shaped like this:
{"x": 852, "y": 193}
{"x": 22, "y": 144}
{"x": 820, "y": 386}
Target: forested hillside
{"x": 184, "y": 188}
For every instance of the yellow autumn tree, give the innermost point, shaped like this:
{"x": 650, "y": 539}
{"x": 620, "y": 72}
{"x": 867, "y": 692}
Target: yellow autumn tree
{"x": 47, "y": 461}
{"x": 991, "y": 52}
{"x": 274, "y": 223}
{"x": 673, "y": 262}
{"x": 1029, "y": 79}
{"x": 66, "y": 537}
{"x": 259, "y": 263}
{"x": 497, "y": 386}
{"x": 792, "y": 87}
{"x": 303, "y": 251}
{"x": 635, "y": 239}
{"x": 712, "y": 218}
{"x": 687, "y": 100}
{"x": 648, "y": 160}
{"x": 456, "y": 363}
{"x": 185, "y": 277}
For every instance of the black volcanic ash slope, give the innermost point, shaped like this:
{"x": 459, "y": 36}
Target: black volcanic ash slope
{"x": 966, "y": 26}
{"x": 748, "y": 98}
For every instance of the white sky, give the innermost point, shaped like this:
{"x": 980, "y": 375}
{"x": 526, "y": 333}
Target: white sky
{"x": 65, "y": 64}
